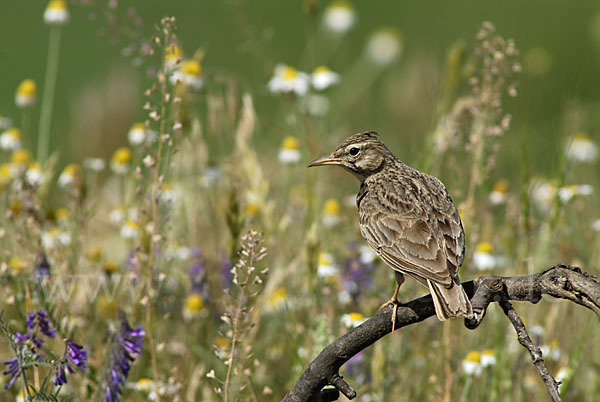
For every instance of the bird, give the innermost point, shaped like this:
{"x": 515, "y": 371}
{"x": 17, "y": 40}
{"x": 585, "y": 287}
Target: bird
{"x": 409, "y": 219}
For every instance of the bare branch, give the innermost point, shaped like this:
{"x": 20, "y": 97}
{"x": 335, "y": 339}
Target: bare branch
{"x": 560, "y": 281}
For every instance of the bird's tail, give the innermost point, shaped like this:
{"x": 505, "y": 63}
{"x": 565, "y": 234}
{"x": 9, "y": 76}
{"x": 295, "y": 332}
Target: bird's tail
{"x": 450, "y": 302}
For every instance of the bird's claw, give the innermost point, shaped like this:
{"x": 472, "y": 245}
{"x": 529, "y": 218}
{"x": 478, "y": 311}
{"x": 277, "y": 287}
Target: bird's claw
{"x": 395, "y": 303}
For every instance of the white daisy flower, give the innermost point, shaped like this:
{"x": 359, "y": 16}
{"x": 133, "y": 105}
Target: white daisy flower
{"x": 189, "y": 73}
{"x": 384, "y": 46}
{"x": 34, "y": 174}
{"x": 499, "y": 192}
{"x": 472, "y": 363}
{"x": 121, "y": 160}
{"x": 287, "y": 79}
{"x": 331, "y": 213}
{"x": 352, "y": 320}
{"x": 326, "y": 268}
{"x": 488, "y": 358}
{"x": 483, "y": 259}
{"x": 582, "y": 149}
{"x": 70, "y": 176}
{"x": 316, "y": 105}
{"x": 339, "y": 17}
{"x": 11, "y": 139}
{"x": 55, "y": 237}
{"x": 322, "y": 78}
{"x": 137, "y": 134}
{"x": 366, "y": 254}
{"x": 56, "y": 13}
{"x": 130, "y": 230}
{"x": 26, "y": 94}
{"x": 289, "y": 153}
{"x": 94, "y": 164}
{"x": 596, "y": 225}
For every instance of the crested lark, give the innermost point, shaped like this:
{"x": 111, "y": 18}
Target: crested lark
{"x": 409, "y": 219}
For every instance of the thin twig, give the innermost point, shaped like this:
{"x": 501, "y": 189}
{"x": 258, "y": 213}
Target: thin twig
{"x": 534, "y": 351}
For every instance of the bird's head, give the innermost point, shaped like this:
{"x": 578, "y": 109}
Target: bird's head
{"x": 361, "y": 154}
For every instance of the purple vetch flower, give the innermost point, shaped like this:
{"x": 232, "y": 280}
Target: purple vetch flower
{"x": 226, "y": 275}
{"x": 43, "y": 323}
{"x": 75, "y": 355}
{"x": 358, "y": 273}
{"x": 355, "y": 367}
{"x": 127, "y": 346}
{"x": 13, "y": 370}
{"x": 197, "y": 275}
{"x": 41, "y": 268}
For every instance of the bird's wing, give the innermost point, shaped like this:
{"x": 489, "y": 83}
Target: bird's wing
{"x": 409, "y": 245}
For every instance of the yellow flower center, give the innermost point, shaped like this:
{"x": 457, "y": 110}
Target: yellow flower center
{"x": 122, "y": 156}
{"x": 325, "y": 259}
{"x": 4, "y": 172}
{"x": 222, "y": 342}
{"x": 72, "y": 170}
{"x": 278, "y": 296}
{"x": 13, "y": 132}
{"x": 194, "y": 303}
{"x": 501, "y": 186}
{"x": 110, "y": 267}
{"x": 21, "y": 157}
{"x": 173, "y": 52}
{"x": 290, "y": 143}
{"x": 289, "y": 73}
{"x": 131, "y": 224}
{"x": 356, "y": 316}
{"x": 321, "y": 70}
{"x": 581, "y": 136}
{"x": 16, "y": 263}
{"x": 144, "y": 384}
{"x": 341, "y": 4}
{"x": 488, "y": 352}
{"x": 35, "y": 166}
{"x": 484, "y": 247}
{"x": 95, "y": 253}
{"x": 57, "y": 5}
{"x": 252, "y": 209}
{"x": 138, "y": 126}
{"x": 473, "y": 356}
{"x": 191, "y": 67}
{"x": 331, "y": 207}
{"x": 27, "y": 88}
{"x": 61, "y": 214}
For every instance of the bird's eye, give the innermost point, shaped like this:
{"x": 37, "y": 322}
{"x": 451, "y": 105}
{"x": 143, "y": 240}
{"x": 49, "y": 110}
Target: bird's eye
{"x": 354, "y": 151}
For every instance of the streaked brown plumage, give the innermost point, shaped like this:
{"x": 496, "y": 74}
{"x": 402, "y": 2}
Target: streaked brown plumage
{"x": 409, "y": 219}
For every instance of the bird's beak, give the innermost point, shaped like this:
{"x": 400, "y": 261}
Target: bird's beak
{"x": 325, "y": 160}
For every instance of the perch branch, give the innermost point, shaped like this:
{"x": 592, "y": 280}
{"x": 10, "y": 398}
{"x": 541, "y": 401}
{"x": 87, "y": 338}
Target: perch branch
{"x": 559, "y": 281}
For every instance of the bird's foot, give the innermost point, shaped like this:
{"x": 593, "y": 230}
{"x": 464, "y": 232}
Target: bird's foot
{"x": 395, "y": 303}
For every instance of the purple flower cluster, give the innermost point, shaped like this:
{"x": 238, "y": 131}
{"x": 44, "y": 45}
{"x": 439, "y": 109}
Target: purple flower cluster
{"x": 75, "y": 355}
{"x": 197, "y": 275}
{"x": 357, "y": 276}
{"x": 36, "y": 322}
{"x": 127, "y": 346}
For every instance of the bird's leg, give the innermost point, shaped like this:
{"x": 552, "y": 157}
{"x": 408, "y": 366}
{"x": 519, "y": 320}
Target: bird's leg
{"x": 394, "y": 300}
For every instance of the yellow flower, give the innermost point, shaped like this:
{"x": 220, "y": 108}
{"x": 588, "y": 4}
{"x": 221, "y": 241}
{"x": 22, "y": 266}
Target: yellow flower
{"x": 70, "y": 176}
{"x": 189, "y": 74}
{"x": 331, "y": 212}
{"x": 137, "y": 134}
{"x": 352, "y": 320}
{"x": 327, "y": 269}
{"x": 26, "y": 94}
{"x": 322, "y": 78}
{"x": 193, "y": 305}
{"x": 5, "y": 174}
{"x": 130, "y": 230}
{"x": 252, "y": 209}
{"x": 287, "y": 79}
{"x": 34, "y": 174}
{"x": 120, "y": 160}
{"x": 499, "y": 191}
{"x": 21, "y": 157}
{"x": 581, "y": 148}
{"x": 173, "y": 56}
{"x": 16, "y": 263}
{"x": 56, "y": 13}
{"x": 472, "y": 363}
{"x": 277, "y": 298}
{"x": 483, "y": 259}
{"x": 61, "y": 214}
{"x": 488, "y": 358}
{"x": 11, "y": 139}
{"x": 110, "y": 267}
{"x": 289, "y": 153}
{"x": 94, "y": 253}
{"x": 106, "y": 307}
{"x": 144, "y": 384}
